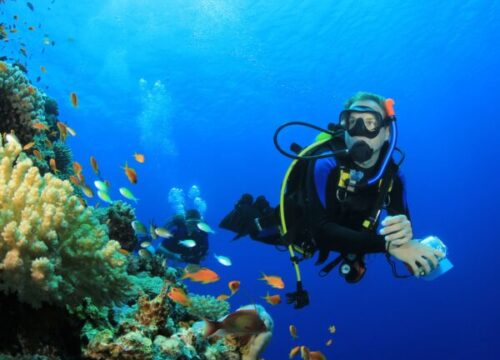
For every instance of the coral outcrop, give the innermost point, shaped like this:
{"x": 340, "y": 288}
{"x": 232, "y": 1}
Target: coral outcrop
{"x": 52, "y": 249}
{"x": 119, "y": 217}
{"x": 21, "y": 104}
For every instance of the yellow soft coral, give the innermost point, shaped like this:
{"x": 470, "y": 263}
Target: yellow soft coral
{"x": 52, "y": 248}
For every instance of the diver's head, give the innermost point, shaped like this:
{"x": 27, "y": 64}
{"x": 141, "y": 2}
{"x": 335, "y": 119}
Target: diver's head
{"x": 367, "y": 128}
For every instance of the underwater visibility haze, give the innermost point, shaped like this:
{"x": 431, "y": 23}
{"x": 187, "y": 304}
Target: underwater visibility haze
{"x": 171, "y": 105}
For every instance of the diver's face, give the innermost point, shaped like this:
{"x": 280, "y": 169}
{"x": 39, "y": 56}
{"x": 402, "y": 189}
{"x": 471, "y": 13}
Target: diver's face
{"x": 378, "y": 141}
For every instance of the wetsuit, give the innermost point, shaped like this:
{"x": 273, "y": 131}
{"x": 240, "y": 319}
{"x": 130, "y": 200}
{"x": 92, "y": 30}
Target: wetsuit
{"x": 185, "y": 231}
{"x": 337, "y": 225}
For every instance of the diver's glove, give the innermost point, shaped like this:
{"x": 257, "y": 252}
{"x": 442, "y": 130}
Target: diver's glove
{"x": 299, "y": 298}
{"x": 241, "y": 219}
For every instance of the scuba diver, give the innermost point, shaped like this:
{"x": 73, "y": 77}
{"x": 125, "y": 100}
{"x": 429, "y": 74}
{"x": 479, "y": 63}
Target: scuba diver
{"x": 332, "y": 197}
{"x": 188, "y": 243}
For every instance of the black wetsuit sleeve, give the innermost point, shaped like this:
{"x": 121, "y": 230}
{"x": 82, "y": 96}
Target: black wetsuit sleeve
{"x": 338, "y": 238}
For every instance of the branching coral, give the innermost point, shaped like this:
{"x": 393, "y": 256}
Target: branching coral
{"x": 51, "y": 247}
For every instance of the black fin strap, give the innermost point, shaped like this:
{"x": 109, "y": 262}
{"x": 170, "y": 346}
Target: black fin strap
{"x": 329, "y": 267}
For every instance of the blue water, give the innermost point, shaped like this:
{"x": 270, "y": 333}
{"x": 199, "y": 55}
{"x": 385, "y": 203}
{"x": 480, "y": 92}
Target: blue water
{"x": 230, "y": 72}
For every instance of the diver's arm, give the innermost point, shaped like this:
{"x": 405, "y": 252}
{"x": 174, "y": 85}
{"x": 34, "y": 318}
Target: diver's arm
{"x": 342, "y": 239}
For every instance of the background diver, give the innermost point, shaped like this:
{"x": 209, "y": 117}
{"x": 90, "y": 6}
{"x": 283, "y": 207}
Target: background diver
{"x": 332, "y": 197}
{"x": 188, "y": 243}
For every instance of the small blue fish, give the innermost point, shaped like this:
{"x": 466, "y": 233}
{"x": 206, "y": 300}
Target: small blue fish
{"x": 188, "y": 243}
{"x": 205, "y": 227}
{"x": 139, "y": 227}
{"x": 224, "y": 260}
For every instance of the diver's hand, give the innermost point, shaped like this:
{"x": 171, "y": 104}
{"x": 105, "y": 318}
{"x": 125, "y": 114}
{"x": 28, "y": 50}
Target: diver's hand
{"x": 419, "y": 257}
{"x": 397, "y": 230}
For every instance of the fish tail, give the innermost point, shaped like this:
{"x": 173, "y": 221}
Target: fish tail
{"x": 211, "y": 327}
{"x": 264, "y": 277}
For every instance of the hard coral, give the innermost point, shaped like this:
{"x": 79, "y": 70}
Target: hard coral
{"x": 119, "y": 217}
{"x": 52, "y": 248}
{"x": 21, "y": 104}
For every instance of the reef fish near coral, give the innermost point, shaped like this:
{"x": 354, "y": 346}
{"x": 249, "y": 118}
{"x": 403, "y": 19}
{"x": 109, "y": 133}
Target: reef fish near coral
{"x": 203, "y": 275}
{"x": 239, "y": 323}
{"x": 127, "y": 194}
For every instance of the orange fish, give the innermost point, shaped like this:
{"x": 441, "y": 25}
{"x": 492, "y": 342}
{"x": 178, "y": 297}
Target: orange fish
{"x": 38, "y": 154}
{"x": 179, "y": 296}
{"x": 332, "y": 329}
{"x": 87, "y": 191}
{"x": 74, "y": 99}
{"x": 316, "y": 355}
{"x": 131, "y": 174}
{"x": 203, "y": 275}
{"x": 74, "y": 180}
{"x": 294, "y": 352}
{"x": 77, "y": 167}
{"x": 63, "y": 132}
{"x": 293, "y": 331}
{"x": 139, "y": 158}
{"x": 93, "y": 163}
{"x": 40, "y": 126}
{"x": 3, "y": 66}
{"x": 29, "y": 145}
{"x": 124, "y": 252}
{"x": 13, "y": 30}
{"x": 48, "y": 143}
{"x": 222, "y": 297}
{"x": 272, "y": 299}
{"x": 274, "y": 281}
{"x": 53, "y": 166}
{"x": 329, "y": 342}
{"x": 234, "y": 286}
{"x": 31, "y": 90}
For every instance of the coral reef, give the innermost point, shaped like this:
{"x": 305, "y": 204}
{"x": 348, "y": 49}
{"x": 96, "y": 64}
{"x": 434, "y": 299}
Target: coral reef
{"x": 119, "y": 217}
{"x": 207, "y": 307}
{"x": 52, "y": 249}
{"x": 21, "y": 104}
{"x": 158, "y": 328}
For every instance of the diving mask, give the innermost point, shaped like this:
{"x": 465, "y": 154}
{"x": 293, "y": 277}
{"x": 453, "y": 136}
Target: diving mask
{"x": 362, "y": 121}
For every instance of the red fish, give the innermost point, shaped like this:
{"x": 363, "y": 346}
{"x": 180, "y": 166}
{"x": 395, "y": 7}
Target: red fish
{"x": 131, "y": 174}
{"x": 234, "y": 286}
{"x": 272, "y": 299}
{"x": 74, "y": 99}
{"x": 93, "y": 163}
